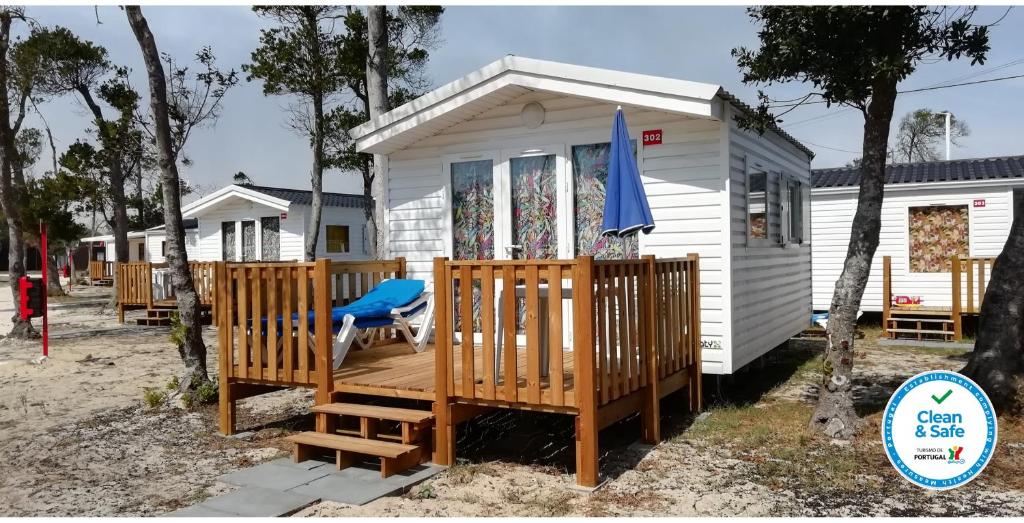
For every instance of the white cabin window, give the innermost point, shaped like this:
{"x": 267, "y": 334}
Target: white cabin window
{"x": 1018, "y": 202}
{"x": 763, "y": 213}
{"x": 337, "y": 238}
{"x": 793, "y": 211}
{"x": 227, "y": 241}
{"x": 270, "y": 235}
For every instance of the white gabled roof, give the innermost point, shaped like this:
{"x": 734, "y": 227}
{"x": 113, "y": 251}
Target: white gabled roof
{"x": 233, "y": 191}
{"x": 513, "y": 76}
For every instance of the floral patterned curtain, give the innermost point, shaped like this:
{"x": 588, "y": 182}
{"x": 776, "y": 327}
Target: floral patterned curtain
{"x": 249, "y": 240}
{"x": 590, "y": 176}
{"x": 271, "y": 245}
{"x": 473, "y": 210}
{"x": 534, "y": 206}
{"x": 472, "y": 223}
{"x": 936, "y": 234}
{"x": 227, "y": 241}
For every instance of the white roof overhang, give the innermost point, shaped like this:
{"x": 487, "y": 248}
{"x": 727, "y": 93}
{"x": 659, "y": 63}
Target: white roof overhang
{"x": 512, "y": 76}
{"x": 232, "y": 191}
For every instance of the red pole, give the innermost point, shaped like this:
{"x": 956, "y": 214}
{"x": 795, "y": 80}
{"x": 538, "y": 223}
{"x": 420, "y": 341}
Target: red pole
{"x": 46, "y": 288}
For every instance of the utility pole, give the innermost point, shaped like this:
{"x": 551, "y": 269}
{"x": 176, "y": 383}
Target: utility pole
{"x": 949, "y": 117}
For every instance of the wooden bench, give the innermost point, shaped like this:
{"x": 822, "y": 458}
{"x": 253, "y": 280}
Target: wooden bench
{"x": 394, "y": 457}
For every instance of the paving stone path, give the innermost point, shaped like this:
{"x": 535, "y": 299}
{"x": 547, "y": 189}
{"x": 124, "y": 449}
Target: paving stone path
{"x": 281, "y": 487}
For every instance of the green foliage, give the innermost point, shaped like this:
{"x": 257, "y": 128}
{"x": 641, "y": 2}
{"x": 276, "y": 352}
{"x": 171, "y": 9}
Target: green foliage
{"x": 200, "y": 393}
{"x": 846, "y": 52}
{"x": 153, "y": 397}
{"x": 178, "y": 330}
{"x": 320, "y": 52}
{"x": 174, "y": 383}
{"x": 240, "y": 178}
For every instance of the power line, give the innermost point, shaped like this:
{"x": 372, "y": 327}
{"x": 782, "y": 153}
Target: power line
{"x": 828, "y": 147}
{"x": 909, "y": 91}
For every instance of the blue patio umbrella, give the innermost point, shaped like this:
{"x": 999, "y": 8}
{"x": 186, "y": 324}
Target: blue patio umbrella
{"x": 626, "y": 210}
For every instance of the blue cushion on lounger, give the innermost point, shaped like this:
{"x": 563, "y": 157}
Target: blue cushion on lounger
{"x": 372, "y": 309}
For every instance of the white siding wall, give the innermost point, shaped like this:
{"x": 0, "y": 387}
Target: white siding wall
{"x": 771, "y": 285}
{"x": 832, "y": 217}
{"x": 133, "y": 249}
{"x": 236, "y": 209}
{"x": 356, "y": 221}
{"x": 682, "y": 178}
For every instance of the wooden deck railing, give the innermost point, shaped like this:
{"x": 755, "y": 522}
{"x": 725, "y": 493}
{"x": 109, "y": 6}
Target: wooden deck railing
{"x": 136, "y": 284}
{"x": 968, "y": 280}
{"x": 502, "y": 331}
{"x": 275, "y": 323}
{"x": 100, "y": 270}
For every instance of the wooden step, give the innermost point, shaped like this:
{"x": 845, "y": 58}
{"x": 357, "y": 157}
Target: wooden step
{"x": 153, "y": 322}
{"x": 394, "y": 457}
{"x": 920, "y": 312}
{"x": 922, "y": 320}
{"x": 920, "y": 331}
{"x": 376, "y": 412}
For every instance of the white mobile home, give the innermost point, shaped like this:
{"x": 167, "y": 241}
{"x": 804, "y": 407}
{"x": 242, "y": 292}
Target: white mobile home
{"x": 102, "y": 247}
{"x": 156, "y": 242}
{"x": 250, "y": 223}
{"x": 931, "y": 212}
{"x": 510, "y": 161}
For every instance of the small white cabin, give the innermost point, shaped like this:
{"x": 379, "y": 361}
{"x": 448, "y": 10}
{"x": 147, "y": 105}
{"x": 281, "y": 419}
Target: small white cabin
{"x": 156, "y": 242}
{"x": 250, "y": 223}
{"x": 101, "y": 248}
{"x": 510, "y": 161}
{"x": 931, "y": 212}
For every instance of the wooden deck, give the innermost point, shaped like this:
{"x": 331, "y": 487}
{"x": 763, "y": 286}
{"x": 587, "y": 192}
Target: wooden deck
{"x": 394, "y": 370}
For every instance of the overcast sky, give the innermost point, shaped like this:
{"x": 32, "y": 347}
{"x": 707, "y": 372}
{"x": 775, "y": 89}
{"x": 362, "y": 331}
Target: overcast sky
{"x": 691, "y": 43}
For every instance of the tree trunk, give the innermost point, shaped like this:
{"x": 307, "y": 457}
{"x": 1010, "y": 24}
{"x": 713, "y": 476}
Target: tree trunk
{"x": 53, "y": 287}
{"x": 9, "y": 197}
{"x": 997, "y": 362}
{"x": 316, "y": 179}
{"x": 377, "y": 94}
{"x": 834, "y": 414}
{"x": 191, "y": 347}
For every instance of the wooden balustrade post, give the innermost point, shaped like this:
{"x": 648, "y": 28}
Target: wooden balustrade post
{"x": 400, "y": 273}
{"x": 650, "y": 412}
{"x": 956, "y": 303}
{"x": 120, "y": 288}
{"x": 225, "y": 353}
{"x": 444, "y": 428}
{"x": 697, "y": 373}
{"x": 886, "y": 294}
{"x": 324, "y": 341}
{"x": 583, "y": 355}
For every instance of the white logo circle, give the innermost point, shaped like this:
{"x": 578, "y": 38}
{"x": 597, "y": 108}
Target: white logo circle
{"x": 939, "y": 430}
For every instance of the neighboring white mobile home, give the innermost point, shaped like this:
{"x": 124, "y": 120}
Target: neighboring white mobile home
{"x": 931, "y": 212}
{"x": 250, "y": 223}
{"x": 510, "y": 161}
{"x": 102, "y": 247}
{"x": 156, "y": 242}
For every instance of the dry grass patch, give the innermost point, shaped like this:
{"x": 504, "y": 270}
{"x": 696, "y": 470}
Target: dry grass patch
{"x": 785, "y": 452}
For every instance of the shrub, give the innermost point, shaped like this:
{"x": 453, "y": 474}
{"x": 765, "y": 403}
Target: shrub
{"x": 153, "y": 397}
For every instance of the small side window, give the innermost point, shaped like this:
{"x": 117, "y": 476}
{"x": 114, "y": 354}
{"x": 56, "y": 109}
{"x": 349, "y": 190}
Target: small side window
{"x": 796, "y": 212}
{"x": 337, "y": 238}
{"x": 757, "y": 205}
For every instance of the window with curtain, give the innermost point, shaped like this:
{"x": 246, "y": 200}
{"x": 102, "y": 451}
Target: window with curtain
{"x": 757, "y": 205}
{"x": 590, "y": 177}
{"x": 270, "y": 249}
{"x": 473, "y": 210}
{"x": 249, "y": 240}
{"x": 227, "y": 241}
{"x": 937, "y": 233}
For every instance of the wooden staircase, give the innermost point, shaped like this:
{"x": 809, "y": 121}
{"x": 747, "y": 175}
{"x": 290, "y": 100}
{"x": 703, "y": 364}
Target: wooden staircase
{"x": 399, "y": 438}
{"x": 920, "y": 324}
{"x": 160, "y": 316}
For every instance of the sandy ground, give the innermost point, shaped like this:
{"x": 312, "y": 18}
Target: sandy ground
{"x": 77, "y": 440}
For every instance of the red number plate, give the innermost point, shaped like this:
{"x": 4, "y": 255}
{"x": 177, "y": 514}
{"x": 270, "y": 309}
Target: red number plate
{"x": 979, "y": 203}
{"x": 652, "y": 137}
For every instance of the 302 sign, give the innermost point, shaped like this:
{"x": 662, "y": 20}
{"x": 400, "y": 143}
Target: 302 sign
{"x": 652, "y": 137}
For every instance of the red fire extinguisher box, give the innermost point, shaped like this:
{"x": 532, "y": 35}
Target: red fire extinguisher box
{"x": 32, "y": 297}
